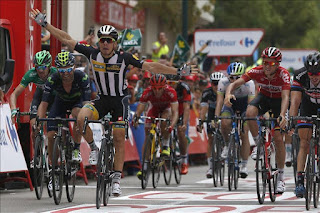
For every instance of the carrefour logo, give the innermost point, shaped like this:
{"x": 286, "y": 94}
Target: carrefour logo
{"x": 247, "y": 42}
{"x": 219, "y": 43}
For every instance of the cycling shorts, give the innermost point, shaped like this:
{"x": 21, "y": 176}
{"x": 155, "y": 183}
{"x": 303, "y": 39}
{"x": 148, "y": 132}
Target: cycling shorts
{"x": 117, "y": 106}
{"x": 59, "y": 108}
{"x": 307, "y": 108}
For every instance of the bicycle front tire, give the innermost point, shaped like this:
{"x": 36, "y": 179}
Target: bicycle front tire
{"x": 261, "y": 175}
{"x": 38, "y": 167}
{"x": 57, "y": 170}
{"x": 100, "y": 170}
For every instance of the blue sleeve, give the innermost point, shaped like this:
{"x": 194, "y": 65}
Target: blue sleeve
{"x": 85, "y": 85}
{"x": 48, "y": 89}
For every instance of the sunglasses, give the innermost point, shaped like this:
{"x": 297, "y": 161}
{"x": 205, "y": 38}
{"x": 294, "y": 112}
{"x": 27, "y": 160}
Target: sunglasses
{"x": 313, "y": 74}
{"x": 215, "y": 83}
{"x": 63, "y": 70}
{"x": 108, "y": 40}
{"x": 234, "y": 77}
{"x": 41, "y": 67}
{"x": 270, "y": 63}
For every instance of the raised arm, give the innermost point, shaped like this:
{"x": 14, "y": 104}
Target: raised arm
{"x": 62, "y": 36}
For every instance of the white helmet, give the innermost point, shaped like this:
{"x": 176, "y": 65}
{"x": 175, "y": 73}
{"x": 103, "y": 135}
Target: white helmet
{"x": 108, "y": 30}
{"x": 216, "y": 76}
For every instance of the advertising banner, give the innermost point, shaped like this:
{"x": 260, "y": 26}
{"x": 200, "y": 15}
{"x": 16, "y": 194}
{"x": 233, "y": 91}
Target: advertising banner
{"x": 294, "y": 58}
{"x": 228, "y": 42}
{"x": 11, "y": 154}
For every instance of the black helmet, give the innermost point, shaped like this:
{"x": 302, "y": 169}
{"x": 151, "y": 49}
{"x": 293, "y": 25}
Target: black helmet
{"x": 312, "y": 62}
{"x": 108, "y": 30}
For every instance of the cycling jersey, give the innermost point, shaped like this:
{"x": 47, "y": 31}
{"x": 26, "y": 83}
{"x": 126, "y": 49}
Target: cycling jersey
{"x": 32, "y": 76}
{"x": 161, "y": 103}
{"x": 301, "y": 82}
{"x": 209, "y": 98}
{"x": 270, "y": 88}
{"x": 80, "y": 88}
{"x": 183, "y": 95}
{"x": 109, "y": 73}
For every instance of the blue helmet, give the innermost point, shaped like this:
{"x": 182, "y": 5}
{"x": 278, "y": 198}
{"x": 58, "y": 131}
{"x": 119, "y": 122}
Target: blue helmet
{"x": 235, "y": 68}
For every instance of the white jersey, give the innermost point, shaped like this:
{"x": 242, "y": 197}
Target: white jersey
{"x": 245, "y": 90}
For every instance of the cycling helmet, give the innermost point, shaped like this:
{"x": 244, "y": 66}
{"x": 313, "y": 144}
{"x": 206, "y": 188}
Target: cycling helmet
{"x": 312, "y": 62}
{"x": 158, "y": 80}
{"x": 108, "y": 30}
{"x": 189, "y": 78}
{"x": 216, "y": 76}
{"x": 42, "y": 58}
{"x": 235, "y": 68}
{"x": 272, "y": 52}
{"x": 64, "y": 59}
{"x": 134, "y": 77}
{"x": 147, "y": 74}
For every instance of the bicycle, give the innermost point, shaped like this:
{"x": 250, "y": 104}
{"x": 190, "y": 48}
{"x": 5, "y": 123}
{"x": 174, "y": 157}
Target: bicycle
{"x": 266, "y": 171}
{"x": 233, "y": 151}
{"x": 105, "y": 158}
{"x": 295, "y": 150}
{"x": 312, "y": 172}
{"x": 39, "y": 163}
{"x": 64, "y": 170}
{"x": 151, "y": 159}
{"x": 218, "y": 163}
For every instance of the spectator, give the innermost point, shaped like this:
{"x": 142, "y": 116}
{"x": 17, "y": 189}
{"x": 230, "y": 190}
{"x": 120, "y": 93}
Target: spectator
{"x": 132, "y": 83}
{"x": 160, "y": 47}
{"x": 89, "y": 39}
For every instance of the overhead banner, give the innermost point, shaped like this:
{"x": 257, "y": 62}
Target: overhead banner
{"x": 228, "y": 42}
{"x": 11, "y": 154}
{"x": 294, "y": 58}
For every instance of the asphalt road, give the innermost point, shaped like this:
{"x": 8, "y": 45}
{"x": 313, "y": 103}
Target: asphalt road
{"x": 194, "y": 194}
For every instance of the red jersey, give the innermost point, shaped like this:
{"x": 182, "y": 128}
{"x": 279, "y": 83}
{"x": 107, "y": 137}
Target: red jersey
{"x": 184, "y": 95}
{"x": 270, "y": 88}
{"x": 169, "y": 96}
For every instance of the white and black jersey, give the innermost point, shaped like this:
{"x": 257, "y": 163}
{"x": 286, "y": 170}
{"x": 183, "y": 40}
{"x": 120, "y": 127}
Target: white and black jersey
{"x": 109, "y": 73}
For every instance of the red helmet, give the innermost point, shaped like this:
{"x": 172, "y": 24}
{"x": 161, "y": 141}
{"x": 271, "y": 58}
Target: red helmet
{"x": 134, "y": 77}
{"x": 272, "y": 52}
{"x": 158, "y": 81}
{"x": 147, "y": 74}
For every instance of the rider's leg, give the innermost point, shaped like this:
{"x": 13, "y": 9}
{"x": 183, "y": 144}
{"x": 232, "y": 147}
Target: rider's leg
{"x": 183, "y": 142}
{"x": 225, "y": 131}
{"x": 288, "y": 146}
{"x": 280, "y": 159}
{"x": 209, "y": 156}
{"x": 165, "y": 133}
{"x": 305, "y": 136}
{"x": 76, "y": 156}
{"x": 50, "y": 136}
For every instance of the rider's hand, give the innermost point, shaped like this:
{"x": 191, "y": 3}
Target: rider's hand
{"x": 182, "y": 128}
{"x": 200, "y": 126}
{"x": 215, "y": 123}
{"x": 13, "y": 115}
{"x": 135, "y": 120}
{"x": 227, "y": 100}
{"x": 39, "y": 17}
{"x": 282, "y": 121}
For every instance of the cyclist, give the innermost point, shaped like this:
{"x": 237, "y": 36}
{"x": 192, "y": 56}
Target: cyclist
{"x": 72, "y": 88}
{"x": 164, "y": 103}
{"x": 38, "y": 75}
{"x": 184, "y": 100}
{"x": 109, "y": 69}
{"x": 305, "y": 90}
{"x": 244, "y": 94}
{"x": 208, "y": 106}
{"x": 274, "y": 85}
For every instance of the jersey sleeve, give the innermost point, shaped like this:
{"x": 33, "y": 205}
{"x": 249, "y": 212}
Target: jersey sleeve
{"x": 85, "y": 49}
{"x": 145, "y": 96}
{"x": 26, "y": 79}
{"x": 132, "y": 59}
{"x": 286, "y": 79}
{"x": 205, "y": 98}
{"x": 297, "y": 81}
{"x": 252, "y": 89}
{"x": 221, "y": 87}
{"x": 248, "y": 75}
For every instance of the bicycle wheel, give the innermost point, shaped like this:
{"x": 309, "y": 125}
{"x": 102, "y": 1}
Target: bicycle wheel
{"x": 176, "y": 162}
{"x": 261, "y": 175}
{"x": 295, "y": 151}
{"x": 221, "y": 161}
{"x": 100, "y": 173}
{"x": 167, "y": 166}
{"x": 272, "y": 181}
{"x": 146, "y": 162}
{"x": 71, "y": 173}
{"x": 38, "y": 169}
{"x": 316, "y": 184}
{"x": 47, "y": 171}
{"x": 231, "y": 160}
{"x": 108, "y": 178}
{"x": 57, "y": 173}
{"x": 215, "y": 161}
{"x": 156, "y": 165}
{"x": 236, "y": 166}
{"x": 309, "y": 175}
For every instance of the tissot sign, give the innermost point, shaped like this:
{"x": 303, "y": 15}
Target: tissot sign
{"x": 294, "y": 58}
{"x": 228, "y": 42}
